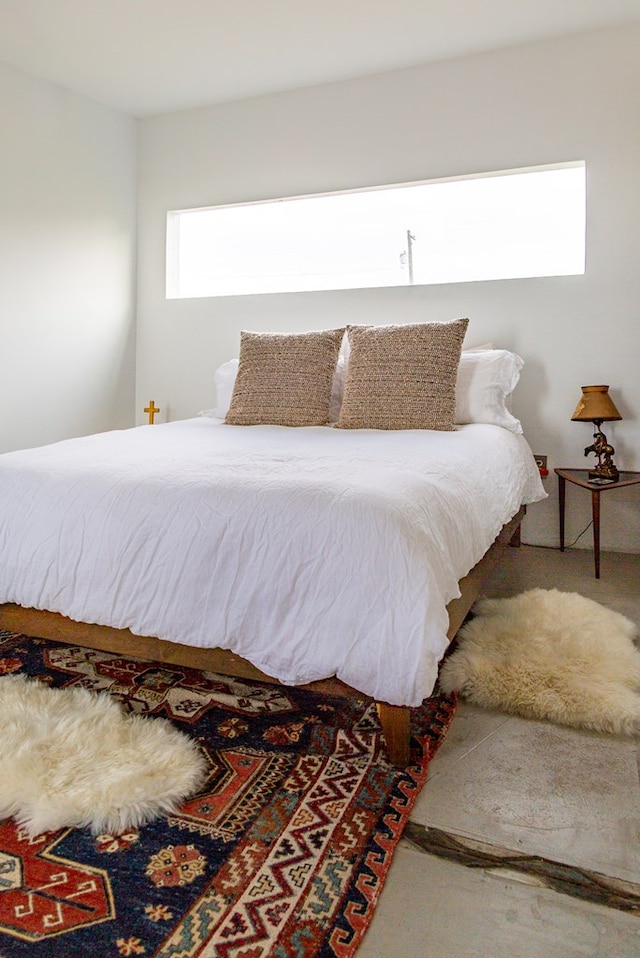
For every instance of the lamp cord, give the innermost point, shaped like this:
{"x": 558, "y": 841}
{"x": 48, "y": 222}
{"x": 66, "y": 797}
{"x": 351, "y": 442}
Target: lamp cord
{"x": 568, "y": 545}
{"x": 586, "y": 529}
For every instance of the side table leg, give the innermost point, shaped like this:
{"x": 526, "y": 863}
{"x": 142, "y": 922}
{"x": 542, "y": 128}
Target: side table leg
{"x": 561, "y": 499}
{"x": 595, "y": 509}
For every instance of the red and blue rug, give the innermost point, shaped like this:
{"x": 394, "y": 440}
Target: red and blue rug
{"x": 283, "y": 853}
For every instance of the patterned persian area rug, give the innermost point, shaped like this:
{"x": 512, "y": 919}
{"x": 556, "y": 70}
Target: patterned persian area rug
{"x": 283, "y": 852}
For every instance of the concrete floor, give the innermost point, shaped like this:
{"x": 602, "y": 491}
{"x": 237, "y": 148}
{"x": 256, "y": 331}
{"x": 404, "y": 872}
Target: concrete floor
{"x": 565, "y": 797}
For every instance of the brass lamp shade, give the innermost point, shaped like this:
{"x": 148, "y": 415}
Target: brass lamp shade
{"x": 596, "y": 405}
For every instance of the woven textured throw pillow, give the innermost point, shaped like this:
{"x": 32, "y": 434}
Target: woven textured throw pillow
{"x": 402, "y": 377}
{"x": 285, "y": 379}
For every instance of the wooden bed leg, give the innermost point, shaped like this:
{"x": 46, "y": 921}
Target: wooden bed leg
{"x": 395, "y": 725}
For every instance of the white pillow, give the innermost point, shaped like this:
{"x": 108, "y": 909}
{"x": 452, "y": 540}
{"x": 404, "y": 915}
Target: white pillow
{"x": 224, "y": 379}
{"x": 338, "y": 388}
{"x": 486, "y": 379}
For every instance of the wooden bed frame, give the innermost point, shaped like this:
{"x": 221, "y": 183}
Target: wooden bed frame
{"x": 393, "y": 718}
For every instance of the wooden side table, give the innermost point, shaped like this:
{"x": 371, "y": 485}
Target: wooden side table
{"x": 580, "y": 477}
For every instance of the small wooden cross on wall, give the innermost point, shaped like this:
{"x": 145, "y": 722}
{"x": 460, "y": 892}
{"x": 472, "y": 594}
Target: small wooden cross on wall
{"x": 152, "y": 409}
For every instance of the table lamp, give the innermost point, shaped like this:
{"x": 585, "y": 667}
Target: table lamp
{"x": 597, "y": 406}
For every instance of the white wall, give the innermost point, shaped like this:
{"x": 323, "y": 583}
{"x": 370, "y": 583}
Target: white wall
{"x": 67, "y": 258}
{"x": 575, "y": 98}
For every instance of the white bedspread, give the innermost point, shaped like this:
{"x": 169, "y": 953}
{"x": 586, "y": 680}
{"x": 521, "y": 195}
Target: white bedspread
{"x": 311, "y": 552}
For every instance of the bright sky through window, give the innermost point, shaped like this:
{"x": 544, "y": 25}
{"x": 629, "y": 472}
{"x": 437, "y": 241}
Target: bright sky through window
{"x": 514, "y": 224}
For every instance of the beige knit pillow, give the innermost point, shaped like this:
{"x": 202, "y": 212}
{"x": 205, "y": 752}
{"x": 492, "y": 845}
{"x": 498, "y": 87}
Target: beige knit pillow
{"x": 402, "y": 377}
{"x": 284, "y": 379}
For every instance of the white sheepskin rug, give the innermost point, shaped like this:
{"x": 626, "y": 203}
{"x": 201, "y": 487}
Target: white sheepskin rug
{"x": 70, "y": 757}
{"x": 553, "y": 655}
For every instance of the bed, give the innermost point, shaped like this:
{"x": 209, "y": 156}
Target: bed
{"x": 344, "y": 559}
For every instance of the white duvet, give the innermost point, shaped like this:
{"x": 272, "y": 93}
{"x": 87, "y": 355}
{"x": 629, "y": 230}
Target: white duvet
{"x": 311, "y": 552}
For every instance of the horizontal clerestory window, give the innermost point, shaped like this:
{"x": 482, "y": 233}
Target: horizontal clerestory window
{"x": 503, "y": 225}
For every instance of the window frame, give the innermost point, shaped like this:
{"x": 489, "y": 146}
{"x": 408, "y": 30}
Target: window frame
{"x": 174, "y": 222}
